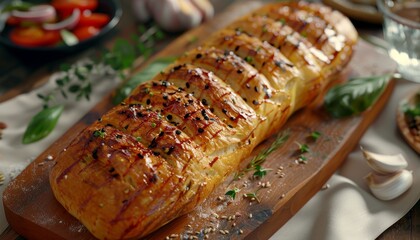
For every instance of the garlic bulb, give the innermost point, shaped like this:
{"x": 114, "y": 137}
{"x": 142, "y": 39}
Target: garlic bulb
{"x": 174, "y": 15}
{"x": 385, "y": 163}
{"x": 388, "y": 187}
{"x": 141, "y": 11}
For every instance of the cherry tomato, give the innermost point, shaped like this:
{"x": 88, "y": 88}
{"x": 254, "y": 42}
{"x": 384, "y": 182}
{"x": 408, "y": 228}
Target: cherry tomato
{"x": 66, "y": 7}
{"x": 85, "y": 32}
{"x": 93, "y": 19}
{"x": 34, "y": 36}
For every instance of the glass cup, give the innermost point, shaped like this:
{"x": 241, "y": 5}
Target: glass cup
{"x": 402, "y": 32}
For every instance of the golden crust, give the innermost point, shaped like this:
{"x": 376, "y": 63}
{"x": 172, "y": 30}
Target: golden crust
{"x": 175, "y": 138}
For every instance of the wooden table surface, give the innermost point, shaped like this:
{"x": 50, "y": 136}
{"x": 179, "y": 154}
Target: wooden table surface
{"x": 22, "y": 73}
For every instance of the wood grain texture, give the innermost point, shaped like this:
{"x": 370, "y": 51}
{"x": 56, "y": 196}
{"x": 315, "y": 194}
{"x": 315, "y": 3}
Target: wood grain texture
{"x": 34, "y": 213}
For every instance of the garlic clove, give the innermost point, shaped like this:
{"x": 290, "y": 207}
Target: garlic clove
{"x": 391, "y": 186}
{"x": 189, "y": 16}
{"x": 205, "y": 7}
{"x": 385, "y": 163}
{"x": 141, "y": 10}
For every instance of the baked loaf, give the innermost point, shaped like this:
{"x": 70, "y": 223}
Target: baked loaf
{"x": 164, "y": 149}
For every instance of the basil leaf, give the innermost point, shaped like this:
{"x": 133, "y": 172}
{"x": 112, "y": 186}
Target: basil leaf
{"x": 355, "y": 96}
{"x": 146, "y": 74}
{"x": 42, "y": 124}
{"x": 68, "y": 37}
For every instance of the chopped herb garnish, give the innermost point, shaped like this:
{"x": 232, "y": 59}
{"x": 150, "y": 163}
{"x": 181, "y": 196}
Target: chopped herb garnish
{"x": 303, "y": 148}
{"x": 260, "y": 171}
{"x": 248, "y": 59}
{"x": 192, "y": 39}
{"x": 99, "y": 133}
{"x": 138, "y": 139}
{"x": 252, "y": 196}
{"x": 232, "y": 193}
{"x": 153, "y": 125}
{"x": 315, "y": 135}
{"x": 282, "y": 20}
{"x": 302, "y": 159}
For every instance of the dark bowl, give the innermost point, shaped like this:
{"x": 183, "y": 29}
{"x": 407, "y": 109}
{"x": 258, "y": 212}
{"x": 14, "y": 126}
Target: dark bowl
{"x": 110, "y": 7}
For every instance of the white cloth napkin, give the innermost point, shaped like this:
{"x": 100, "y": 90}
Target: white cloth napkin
{"x": 346, "y": 210}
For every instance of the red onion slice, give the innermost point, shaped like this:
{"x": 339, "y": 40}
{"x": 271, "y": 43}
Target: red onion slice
{"x": 67, "y": 23}
{"x": 38, "y": 13}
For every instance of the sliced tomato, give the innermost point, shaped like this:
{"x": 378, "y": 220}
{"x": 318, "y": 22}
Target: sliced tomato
{"x": 13, "y": 21}
{"x": 85, "y": 32}
{"x": 34, "y": 36}
{"x": 66, "y": 7}
{"x": 93, "y": 19}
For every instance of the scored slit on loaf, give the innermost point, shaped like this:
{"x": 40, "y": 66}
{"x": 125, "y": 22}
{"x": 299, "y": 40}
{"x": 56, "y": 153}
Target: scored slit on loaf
{"x": 164, "y": 149}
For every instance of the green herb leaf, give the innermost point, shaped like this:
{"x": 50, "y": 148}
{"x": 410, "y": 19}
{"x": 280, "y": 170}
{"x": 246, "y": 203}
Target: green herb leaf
{"x": 412, "y": 110}
{"x": 248, "y": 59}
{"x": 99, "y": 133}
{"x": 315, "y": 135}
{"x": 252, "y": 196}
{"x": 302, "y": 159}
{"x": 17, "y": 5}
{"x": 68, "y": 37}
{"x": 232, "y": 193}
{"x": 42, "y": 124}
{"x": 122, "y": 56}
{"x": 192, "y": 39}
{"x": 355, "y": 96}
{"x": 74, "y": 88}
{"x": 146, "y": 74}
{"x": 260, "y": 171}
{"x": 303, "y": 148}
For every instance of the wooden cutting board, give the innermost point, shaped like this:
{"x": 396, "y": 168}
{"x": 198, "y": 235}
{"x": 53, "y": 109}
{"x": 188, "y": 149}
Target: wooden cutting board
{"x": 33, "y": 212}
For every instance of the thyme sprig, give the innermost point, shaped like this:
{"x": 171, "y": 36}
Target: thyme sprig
{"x": 253, "y": 195}
{"x": 79, "y": 79}
{"x": 257, "y": 161}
